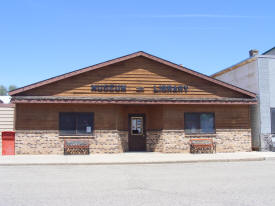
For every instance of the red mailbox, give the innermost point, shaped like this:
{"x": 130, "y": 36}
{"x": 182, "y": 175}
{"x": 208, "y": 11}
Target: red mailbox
{"x": 8, "y": 143}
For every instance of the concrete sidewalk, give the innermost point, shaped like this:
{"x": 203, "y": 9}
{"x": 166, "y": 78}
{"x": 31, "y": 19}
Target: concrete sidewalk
{"x": 133, "y": 158}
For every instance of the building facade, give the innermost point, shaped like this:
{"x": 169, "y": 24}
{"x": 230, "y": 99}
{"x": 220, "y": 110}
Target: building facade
{"x": 256, "y": 74}
{"x": 137, "y": 102}
{"x": 6, "y": 119}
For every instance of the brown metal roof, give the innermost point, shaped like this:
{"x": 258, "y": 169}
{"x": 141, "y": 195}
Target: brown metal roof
{"x": 123, "y": 58}
{"x": 130, "y": 100}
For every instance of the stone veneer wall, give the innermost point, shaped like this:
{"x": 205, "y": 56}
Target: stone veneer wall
{"x": 114, "y": 141}
{"x": 123, "y": 137}
{"x": 49, "y": 142}
{"x": 233, "y": 140}
{"x": 154, "y": 141}
{"x": 175, "y": 141}
{"x": 38, "y": 142}
{"x": 109, "y": 141}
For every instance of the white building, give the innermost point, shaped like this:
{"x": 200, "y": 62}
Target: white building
{"x": 257, "y": 74}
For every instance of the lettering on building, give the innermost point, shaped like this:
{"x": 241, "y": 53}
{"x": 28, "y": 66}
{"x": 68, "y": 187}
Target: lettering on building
{"x": 170, "y": 88}
{"x": 108, "y": 88}
{"x": 140, "y": 89}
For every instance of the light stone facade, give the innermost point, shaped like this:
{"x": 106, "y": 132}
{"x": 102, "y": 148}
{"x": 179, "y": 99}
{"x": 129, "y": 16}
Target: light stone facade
{"x": 154, "y": 141}
{"x": 175, "y": 141}
{"x": 233, "y": 140}
{"x": 49, "y": 142}
{"x": 105, "y": 141}
{"x": 109, "y": 141}
{"x": 38, "y": 142}
{"x": 123, "y": 138}
{"x": 114, "y": 141}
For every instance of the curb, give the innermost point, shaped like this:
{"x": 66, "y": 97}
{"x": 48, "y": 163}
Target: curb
{"x": 137, "y": 162}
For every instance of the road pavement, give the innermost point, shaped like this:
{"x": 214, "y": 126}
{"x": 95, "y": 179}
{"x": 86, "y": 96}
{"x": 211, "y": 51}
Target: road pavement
{"x": 214, "y": 183}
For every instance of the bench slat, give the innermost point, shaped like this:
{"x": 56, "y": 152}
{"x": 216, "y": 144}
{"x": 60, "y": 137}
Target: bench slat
{"x": 201, "y": 144}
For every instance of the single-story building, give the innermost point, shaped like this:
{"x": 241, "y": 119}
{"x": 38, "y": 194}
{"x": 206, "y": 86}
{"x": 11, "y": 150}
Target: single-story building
{"x": 137, "y": 102}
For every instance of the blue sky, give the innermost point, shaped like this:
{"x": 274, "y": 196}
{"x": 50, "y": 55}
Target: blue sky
{"x": 40, "y": 39}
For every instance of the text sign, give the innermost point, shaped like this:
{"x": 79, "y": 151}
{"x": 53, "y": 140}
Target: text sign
{"x": 156, "y": 88}
{"x": 108, "y": 88}
{"x": 170, "y": 88}
{"x": 140, "y": 89}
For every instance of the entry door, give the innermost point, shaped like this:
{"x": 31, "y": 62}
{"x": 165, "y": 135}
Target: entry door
{"x": 137, "y": 132}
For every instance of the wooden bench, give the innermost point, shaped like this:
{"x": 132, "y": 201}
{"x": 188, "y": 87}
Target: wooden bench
{"x": 202, "y": 145}
{"x": 76, "y": 147}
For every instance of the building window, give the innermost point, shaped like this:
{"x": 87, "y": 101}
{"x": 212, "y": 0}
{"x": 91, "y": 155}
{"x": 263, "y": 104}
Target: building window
{"x": 76, "y": 123}
{"x": 137, "y": 125}
{"x": 272, "y": 120}
{"x": 196, "y": 123}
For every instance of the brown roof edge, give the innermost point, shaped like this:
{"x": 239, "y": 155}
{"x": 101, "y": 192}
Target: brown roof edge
{"x": 123, "y": 58}
{"x": 133, "y": 102}
{"x": 137, "y": 102}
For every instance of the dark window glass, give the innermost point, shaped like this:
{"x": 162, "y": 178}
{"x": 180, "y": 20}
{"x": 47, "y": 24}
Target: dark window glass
{"x": 199, "y": 123}
{"x": 273, "y": 120}
{"x": 77, "y": 123}
{"x": 84, "y": 123}
{"x": 192, "y": 123}
{"x": 67, "y": 123}
{"x": 207, "y": 123}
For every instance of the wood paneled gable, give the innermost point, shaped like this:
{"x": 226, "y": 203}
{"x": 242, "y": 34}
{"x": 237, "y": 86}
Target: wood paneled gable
{"x": 138, "y": 71}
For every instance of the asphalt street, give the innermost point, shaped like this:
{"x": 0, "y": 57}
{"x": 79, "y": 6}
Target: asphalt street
{"x": 229, "y": 183}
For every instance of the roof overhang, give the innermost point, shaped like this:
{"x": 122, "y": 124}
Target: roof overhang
{"x": 130, "y": 100}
